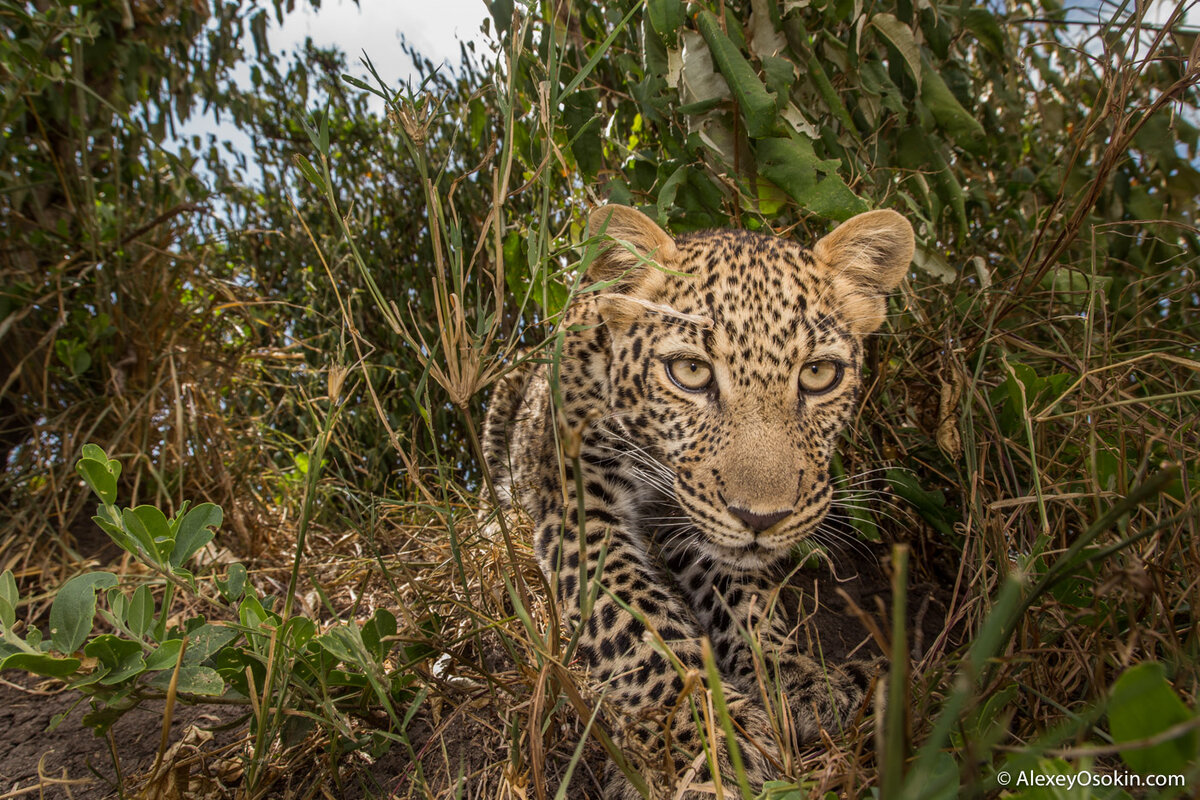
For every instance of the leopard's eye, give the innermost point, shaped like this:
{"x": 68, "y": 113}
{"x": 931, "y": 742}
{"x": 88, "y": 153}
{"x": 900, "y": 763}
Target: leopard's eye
{"x": 690, "y": 374}
{"x": 818, "y": 377}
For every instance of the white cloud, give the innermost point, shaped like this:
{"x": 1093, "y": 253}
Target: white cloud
{"x": 435, "y": 27}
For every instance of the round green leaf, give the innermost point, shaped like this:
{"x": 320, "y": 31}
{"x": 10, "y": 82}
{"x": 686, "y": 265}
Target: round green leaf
{"x": 74, "y": 608}
{"x": 121, "y": 658}
{"x": 235, "y": 581}
{"x": 196, "y": 530}
{"x": 148, "y": 526}
{"x": 41, "y": 664}
{"x": 101, "y": 481}
{"x": 95, "y": 452}
{"x": 193, "y": 679}
{"x": 207, "y": 640}
{"x": 1143, "y": 705}
{"x": 165, "y": 656}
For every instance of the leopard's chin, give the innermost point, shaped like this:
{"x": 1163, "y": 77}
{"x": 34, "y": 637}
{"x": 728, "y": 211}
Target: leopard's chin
{"x": 754, "y": 555}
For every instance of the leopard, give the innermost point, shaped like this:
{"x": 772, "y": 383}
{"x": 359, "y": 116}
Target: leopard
{"x": 673, "y": 456}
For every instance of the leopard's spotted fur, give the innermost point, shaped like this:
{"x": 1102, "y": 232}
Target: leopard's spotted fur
{"x": 696, "y": 496}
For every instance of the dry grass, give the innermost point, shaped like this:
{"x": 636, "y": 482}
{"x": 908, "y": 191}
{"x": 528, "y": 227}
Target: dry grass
{"x": 1030, "y": 398}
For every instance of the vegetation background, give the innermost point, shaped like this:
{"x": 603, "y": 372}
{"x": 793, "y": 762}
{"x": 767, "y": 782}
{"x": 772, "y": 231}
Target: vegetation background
{"x": 290, "y": 345}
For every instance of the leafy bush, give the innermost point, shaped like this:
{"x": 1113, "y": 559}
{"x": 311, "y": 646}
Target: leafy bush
{"x": 290, "y": 675}
{"x": 313, "y": 354}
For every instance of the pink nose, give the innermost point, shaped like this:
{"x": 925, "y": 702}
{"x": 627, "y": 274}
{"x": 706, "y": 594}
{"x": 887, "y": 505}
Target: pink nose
{"x": 758, "y": 522}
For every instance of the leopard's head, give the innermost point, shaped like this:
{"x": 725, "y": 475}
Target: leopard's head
{"x": 735, "y": 361}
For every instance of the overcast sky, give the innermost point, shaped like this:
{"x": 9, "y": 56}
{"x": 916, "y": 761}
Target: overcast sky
{"x": 434, "y": 26}
{"x": 375, "y": 26}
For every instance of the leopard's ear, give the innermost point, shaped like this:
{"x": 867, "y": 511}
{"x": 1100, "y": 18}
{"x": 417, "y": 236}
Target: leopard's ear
{"x": 873, "y": 250}
{"x": 636, "y": 240}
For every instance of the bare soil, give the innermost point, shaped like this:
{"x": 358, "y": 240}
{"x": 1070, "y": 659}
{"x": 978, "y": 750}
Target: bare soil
{"x": 43, "y": 756}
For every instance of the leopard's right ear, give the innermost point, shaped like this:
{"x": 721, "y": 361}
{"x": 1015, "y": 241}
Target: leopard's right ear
{"x": 636, "y": 242}
{"x": 873, "y": 249}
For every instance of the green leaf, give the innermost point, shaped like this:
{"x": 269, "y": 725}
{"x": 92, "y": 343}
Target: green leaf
{"x": 340, "y": 642}
{"x": 141, "y": 611}
{"x": 258, "y": 32}
{"x": 235, "y": 581}
{"x": 502, "y": 13}
{"x": 99, "y": 479}
{"x": 583, "y": 126}
{"x": 757, "y": 104}
{"x": 782, "y": 790}
{"x": 252, "y": 615}
{"x": 165, "y": 657}
{"x": 669, "y": 189}
{"x": 118, "y": 604}
{"x": 41, "y": 664}
{"x": 196, "y": 530}
{"x": 8, "y": 600}
{"x": 959, "y": 124}
{"x": 299, "y": 631}
{"x": 187, "y": 577}
{"x": 936, "y": 779}
{"x": 930, "y": 505}
{"x": 122, "y": 658}
{"x": 377, "y": 630}
{"x": 99, "y": 472}
{"x": 358, "y": 83}
{"x": 780, "y": 74}
{"x": 666, "y": 18}
{"x": 309, "y": 171}
{"x": 206, "y": 640}
{"x": 95, "y": 452}
{"x": 1143, "y": 705}
{"x": 901, "y": 37}
{"x": 74, "y": 609}
{"x": 147, "y": 525}
{"x": 813, "y": 183}
{"x": 934, "y": 264}
{"x": 74, "y": 356}
{"x": 1075, "y": 286}
{"x": 101, "y": 718}
{"x": 477, "y": 119}
{"x": 155, "y": 521}
{"x": 115, "y": 531}
{"x": 341, "y": 677}
{"x": 193, "y": 679}
{"x": 983, "y": 24}
{"x": 175, "y": 521}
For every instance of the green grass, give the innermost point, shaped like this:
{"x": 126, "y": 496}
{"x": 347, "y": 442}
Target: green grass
{"x": 1025, "y": 454}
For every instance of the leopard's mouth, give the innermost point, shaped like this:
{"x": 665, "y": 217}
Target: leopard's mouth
{"x": 728, "y": 540}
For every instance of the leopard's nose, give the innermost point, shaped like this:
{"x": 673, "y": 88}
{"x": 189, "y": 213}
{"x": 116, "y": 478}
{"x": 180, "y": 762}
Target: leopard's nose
{"x": 758, "y": 522}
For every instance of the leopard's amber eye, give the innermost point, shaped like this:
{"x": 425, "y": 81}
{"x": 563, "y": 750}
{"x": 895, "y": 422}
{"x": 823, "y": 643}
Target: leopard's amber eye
{"x": 818, "y": 377}
{"x": 690, "y": 374}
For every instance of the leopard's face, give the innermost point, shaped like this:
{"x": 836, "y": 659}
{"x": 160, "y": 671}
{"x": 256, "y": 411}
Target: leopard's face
{"x": 737, "y": 375}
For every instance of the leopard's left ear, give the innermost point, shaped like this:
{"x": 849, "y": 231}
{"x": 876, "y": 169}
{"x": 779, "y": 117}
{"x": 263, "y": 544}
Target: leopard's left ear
{"x": 874, "y": 250}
